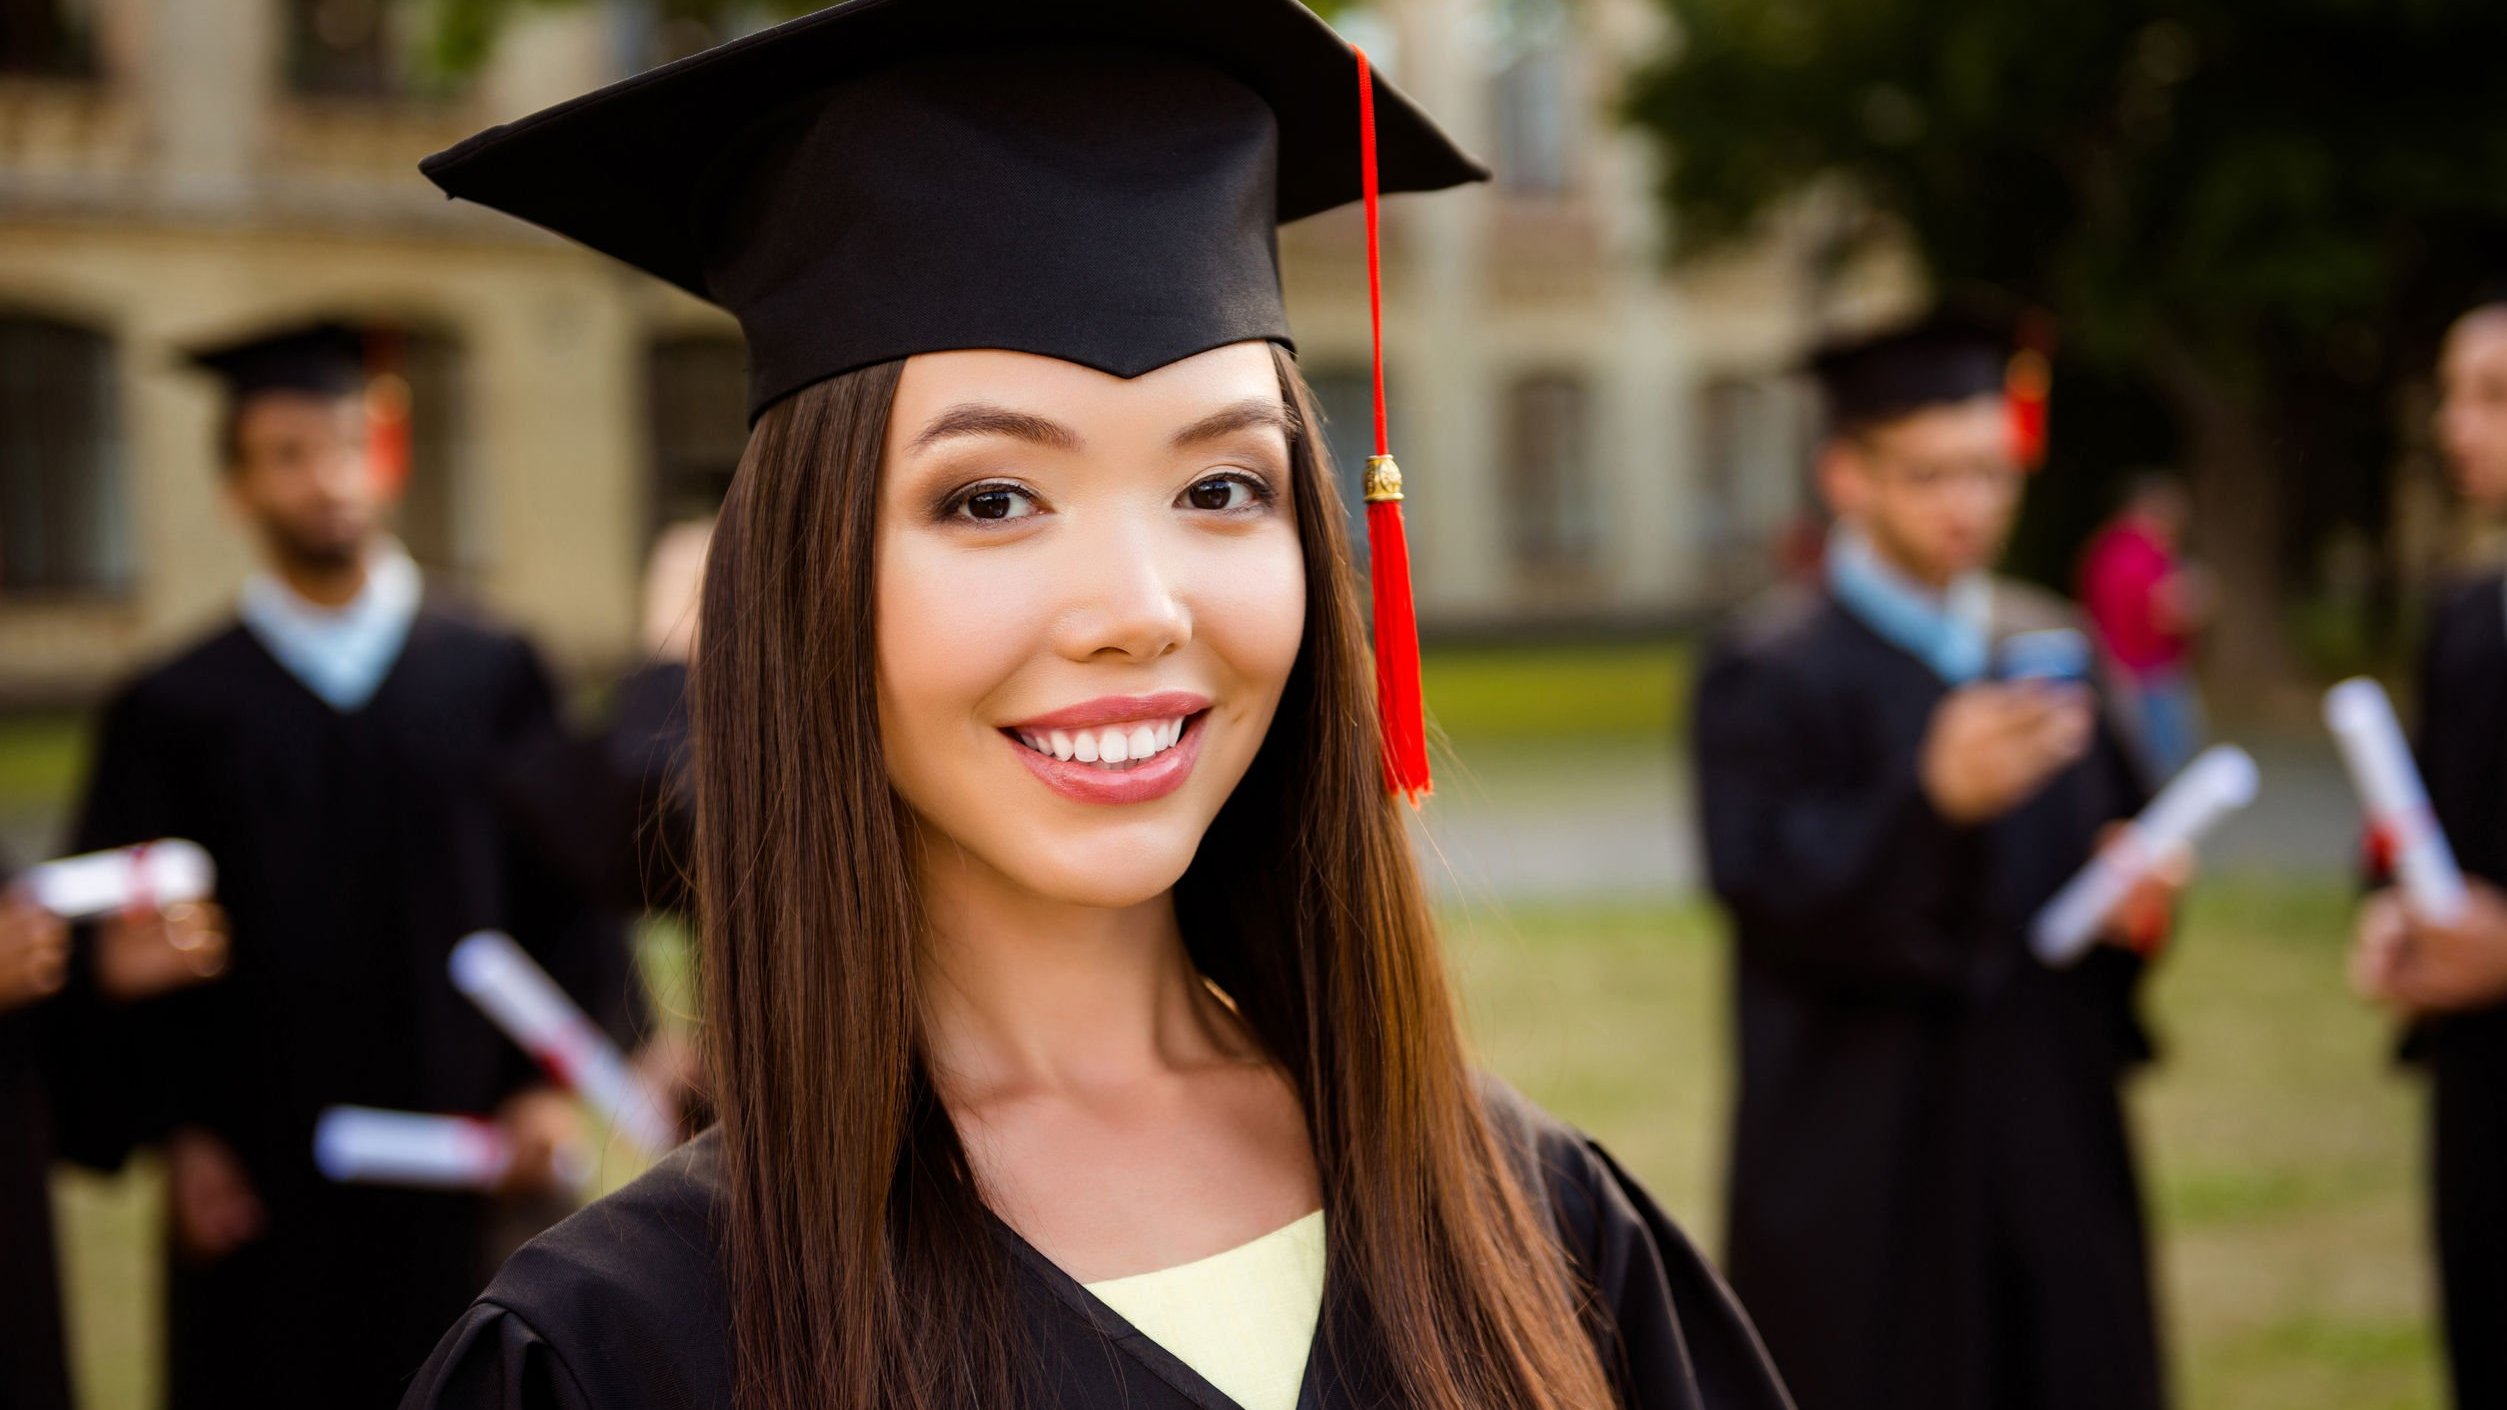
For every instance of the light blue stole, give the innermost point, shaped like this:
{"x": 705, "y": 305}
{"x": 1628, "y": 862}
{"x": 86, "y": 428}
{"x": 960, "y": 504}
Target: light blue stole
{"x": 342, "y": 653}
{"x": 1951, "y": 632}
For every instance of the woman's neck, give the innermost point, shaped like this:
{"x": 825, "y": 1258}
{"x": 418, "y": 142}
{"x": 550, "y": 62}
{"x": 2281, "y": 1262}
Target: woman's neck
{"x": 1026, "y": 995}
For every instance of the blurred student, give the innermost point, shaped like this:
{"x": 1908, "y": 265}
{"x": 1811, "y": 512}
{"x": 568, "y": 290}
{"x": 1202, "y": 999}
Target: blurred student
{"x": 1933, "y": 1200}
{"x": 332, "y": 748}
{"x": 50, "y": 994}
{"x": 612, "y": 808}
{"x": 2146, "y": 603}
{"x": 2450, "y": 981}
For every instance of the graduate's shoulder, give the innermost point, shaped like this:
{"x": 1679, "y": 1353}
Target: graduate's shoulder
{"x": 203, "y": 668}
{"x": 2468, "y": 607}
{"x": 1789, "y": 640}
{"x": 1585, "y": 1191}
{"x": 1668, "y": 1329}
{"x": 452, "y": 618}
{"x": 1775, "y": 623}
{"x": 627, "y": 1293}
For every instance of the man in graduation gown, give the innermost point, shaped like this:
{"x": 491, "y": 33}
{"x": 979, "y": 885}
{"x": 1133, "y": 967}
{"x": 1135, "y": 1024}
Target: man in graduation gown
{"x": 1933, "y": 1201}
{"x": 333, "y": 749}
{"x": 2450, "y": 980}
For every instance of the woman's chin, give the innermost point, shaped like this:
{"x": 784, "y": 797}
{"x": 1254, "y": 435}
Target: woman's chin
{"x": 1114, "y": 877}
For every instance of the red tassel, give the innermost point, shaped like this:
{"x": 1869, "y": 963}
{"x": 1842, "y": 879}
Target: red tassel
{"x": 1399, "y": 701}
{"x": 1401, "y": 708}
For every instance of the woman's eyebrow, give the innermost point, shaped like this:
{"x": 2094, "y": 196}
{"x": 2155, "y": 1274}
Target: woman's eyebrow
{"x": 978, "y": 419}
{"x": 1245, "y": 415}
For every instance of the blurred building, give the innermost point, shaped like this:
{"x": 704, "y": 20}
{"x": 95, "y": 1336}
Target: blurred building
{"x": 1590, "y": 441}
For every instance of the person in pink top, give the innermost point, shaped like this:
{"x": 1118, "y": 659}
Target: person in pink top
{"x": 2145, "y": 603}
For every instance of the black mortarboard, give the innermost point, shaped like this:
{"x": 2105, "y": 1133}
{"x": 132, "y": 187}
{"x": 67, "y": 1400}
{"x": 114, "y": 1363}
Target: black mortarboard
{"x": 1092, "y": 180}
{"x": 323, "y": 359}
{"x": 1945, "y": 358}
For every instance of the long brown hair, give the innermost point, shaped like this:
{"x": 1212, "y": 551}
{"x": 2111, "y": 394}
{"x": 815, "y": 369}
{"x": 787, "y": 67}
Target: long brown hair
{"x": 862, "y": 1268}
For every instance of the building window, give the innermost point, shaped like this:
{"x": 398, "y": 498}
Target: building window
{"x": 1344, "y": 395}
{"x": 1755, "y": 438}
{"x": 48, "y": 38}
{"x": 62, "y": 525}
{"x": 1534, "y": 98}
{"x": 1553, "y": 509}
{"x": 351, "y": 49}
{"x": 650, "y": 33}
{"x": 698, "y": 392}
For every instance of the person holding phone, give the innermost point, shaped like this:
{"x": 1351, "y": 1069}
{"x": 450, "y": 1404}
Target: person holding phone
{"x": 1932, "y": 1193}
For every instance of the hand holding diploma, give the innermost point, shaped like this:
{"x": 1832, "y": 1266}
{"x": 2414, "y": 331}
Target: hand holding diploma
{"x": 2114, "y": 893}
{"x": 144, "y": 952}
{"x": 367, "y": 1146}
{"x": 157, "y": 928}
{"x": 2421, "y": 966}
{"x": 518, "y": 995}
{"x": 2371, "y": 739}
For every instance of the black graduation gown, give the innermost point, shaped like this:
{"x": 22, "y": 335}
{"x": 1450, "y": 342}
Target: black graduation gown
{"x": 611, "y": 809}
{"x": 353, "y": 850}
{"x": 34, "y": 1372}
{"x": 2463, "y": 755}
{"x": 623, "y": 1307}
{"x": 1933, "y": 1201}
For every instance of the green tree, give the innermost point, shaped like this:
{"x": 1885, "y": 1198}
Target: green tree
{"x": 2249, "y": 210}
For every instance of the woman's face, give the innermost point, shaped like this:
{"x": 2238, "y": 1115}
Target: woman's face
{"x": 1090, "y": 593}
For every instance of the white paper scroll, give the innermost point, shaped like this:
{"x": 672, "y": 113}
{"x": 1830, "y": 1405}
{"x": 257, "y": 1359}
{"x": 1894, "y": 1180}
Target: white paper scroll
{"x": 519, "y": 996}
{"x": 363, "y": 1145}
{"x": 105, "y": 883}
{"x": 2218, "y": 783}
{"x": 2397, "y": 802}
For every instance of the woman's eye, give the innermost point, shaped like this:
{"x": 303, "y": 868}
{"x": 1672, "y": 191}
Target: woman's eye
{"x": 997, "y": 502}
{"x": 1222, "y": 492}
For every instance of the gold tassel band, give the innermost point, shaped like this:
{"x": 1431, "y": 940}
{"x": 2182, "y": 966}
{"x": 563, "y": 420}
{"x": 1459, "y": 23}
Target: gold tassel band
{"x": 1383, "y": 481}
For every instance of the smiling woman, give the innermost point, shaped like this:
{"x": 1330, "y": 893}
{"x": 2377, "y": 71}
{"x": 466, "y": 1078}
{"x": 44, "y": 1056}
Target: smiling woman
{"x": 1063, "y": 949}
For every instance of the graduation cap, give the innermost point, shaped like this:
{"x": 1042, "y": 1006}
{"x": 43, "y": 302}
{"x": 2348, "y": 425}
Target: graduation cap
{"x": 318, "y": 359}
{"x": 1950, "y": 356}
{"x": 1098, "y": 181}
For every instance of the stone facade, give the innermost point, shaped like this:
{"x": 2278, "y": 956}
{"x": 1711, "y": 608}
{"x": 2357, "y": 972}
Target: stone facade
{"x": 1589, "y": 439}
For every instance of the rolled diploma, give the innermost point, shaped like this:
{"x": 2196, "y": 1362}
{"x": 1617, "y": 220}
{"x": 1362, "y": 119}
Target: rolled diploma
{"x": 2362, "y": 720}
{"x": 520, "y": 998}
{"x": 2213, "y": 786}
{"x": 367, "y": 1146}
{"x": 103, "y": 883}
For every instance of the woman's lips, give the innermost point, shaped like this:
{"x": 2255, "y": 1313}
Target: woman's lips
{"x": 1131, "y": 781}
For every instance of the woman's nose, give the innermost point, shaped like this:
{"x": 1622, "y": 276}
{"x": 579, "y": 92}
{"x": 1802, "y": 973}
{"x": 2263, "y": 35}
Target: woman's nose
{"x": 1125, "y": 598}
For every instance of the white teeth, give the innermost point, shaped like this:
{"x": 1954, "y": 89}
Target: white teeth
{"x": 1121, "y": 744}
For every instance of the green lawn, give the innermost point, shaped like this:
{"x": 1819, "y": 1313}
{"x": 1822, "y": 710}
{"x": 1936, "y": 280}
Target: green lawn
{"x": 1513, "y": 695}
{"x": 2280, "y": 1146}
